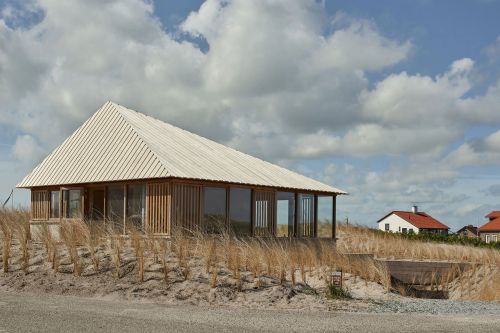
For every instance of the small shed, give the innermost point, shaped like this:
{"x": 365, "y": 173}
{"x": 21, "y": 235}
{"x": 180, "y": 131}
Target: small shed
{"x": 124, "y": 169}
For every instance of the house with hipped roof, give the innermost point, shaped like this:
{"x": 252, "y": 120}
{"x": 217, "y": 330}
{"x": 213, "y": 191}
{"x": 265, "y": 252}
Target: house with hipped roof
{"x": 124, "y": 169}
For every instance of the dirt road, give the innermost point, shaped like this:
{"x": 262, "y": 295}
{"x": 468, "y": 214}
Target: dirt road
{"x": 20, "y": 312}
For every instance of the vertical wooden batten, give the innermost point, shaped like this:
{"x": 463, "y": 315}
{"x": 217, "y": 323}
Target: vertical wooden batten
{"x": 334, "y": 217}
{"x": 125, "y": 199}
{"x": 158, "y": 208}
{"x": 296, "y": 216}
{"x": 315, "y": 222}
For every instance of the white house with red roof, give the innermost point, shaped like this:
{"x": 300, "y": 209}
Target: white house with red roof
{"x": 411, "y": 222}
{"x": 490, "y": 231}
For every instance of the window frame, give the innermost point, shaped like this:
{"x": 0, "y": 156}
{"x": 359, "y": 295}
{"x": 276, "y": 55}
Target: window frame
{"x": 227, "y": 204}
{"x": 291, "y": 227}
{"x": 331, "y": 199}
{"x": 59, "y": 204}
{"x": 63, "y": 209}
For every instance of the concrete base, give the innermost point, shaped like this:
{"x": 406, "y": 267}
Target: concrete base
{"x": 36, "y": 228}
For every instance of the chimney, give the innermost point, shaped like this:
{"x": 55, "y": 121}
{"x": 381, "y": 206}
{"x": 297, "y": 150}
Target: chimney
{"x": 414, "y": 209}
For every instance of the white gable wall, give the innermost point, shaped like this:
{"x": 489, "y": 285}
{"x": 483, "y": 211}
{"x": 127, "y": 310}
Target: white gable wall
{"x": 396, "y": 224}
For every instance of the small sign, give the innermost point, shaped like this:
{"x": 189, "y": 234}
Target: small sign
{"x": 337, "y": 279}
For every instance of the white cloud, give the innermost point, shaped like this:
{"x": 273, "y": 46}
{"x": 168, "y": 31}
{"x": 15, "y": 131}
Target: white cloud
{"x": 280, "y": 79}
{"x": 493, "y": 51}
{"x": 27, "y": 150}
{"x": 485, "y": 151}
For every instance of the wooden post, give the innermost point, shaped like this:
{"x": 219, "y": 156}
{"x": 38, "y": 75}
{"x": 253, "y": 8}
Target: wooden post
{"x": 296, "y": 216}
{"x": 252, "y": 213}
{"x": 228, "y": 203}
{"x": 315, "y": 222}
{"x": 334, "y": 217}
{"x": 105, "y": 210}
{"x": 124, "y": 207}
{"x": 82, "y": 202}
{"x": 60, "y": 204}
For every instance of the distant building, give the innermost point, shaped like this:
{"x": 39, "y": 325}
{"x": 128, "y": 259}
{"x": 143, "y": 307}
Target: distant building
{"x": 490, "y": 232}
{"x": 469, "y": 231}
{"x": 411, "y": 222}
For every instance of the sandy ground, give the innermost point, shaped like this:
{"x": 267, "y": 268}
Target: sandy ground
{"x": 265, "y": 292}
{"x": 174, "y": 289}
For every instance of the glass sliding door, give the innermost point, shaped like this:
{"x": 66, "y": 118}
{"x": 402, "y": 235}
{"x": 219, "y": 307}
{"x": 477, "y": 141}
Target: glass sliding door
{"x": 96, "y": 199}
{"x": 286, "y": 214}
{"x": 214, "y": 209}
{"x": 136, "y": 198}
{"x": 115, "y": 205}
{"x": 240, "y": 208}
{"x": 325, "y": 216}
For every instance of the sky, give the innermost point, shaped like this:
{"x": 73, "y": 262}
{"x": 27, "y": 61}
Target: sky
{"x": 396, "y": 102}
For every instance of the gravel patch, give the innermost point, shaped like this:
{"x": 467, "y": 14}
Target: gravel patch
{"x": 436, "y": 307}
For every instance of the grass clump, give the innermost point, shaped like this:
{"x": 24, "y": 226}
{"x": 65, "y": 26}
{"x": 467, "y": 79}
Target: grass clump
{"x": 334, "y": 292}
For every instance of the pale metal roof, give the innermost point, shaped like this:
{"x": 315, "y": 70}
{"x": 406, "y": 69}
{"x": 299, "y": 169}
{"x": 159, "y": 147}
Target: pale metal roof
{"x": 117, "y": 143}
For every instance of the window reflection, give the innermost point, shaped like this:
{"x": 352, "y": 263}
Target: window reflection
{"x": 136, "y": 198}
{"x": 72, "y": 204}
{"x": 114, "y": 204}
{"x": 214, "y": 209}
{"x": 54, "y": 204}
{"x": 325, "y": 215}
{"x": 240, "y": 210}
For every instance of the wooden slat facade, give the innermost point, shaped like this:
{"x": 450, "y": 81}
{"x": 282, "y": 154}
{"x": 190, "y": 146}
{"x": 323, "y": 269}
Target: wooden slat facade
{"x": 157, "y": 208}
{"x": 186, "y": 208}
{"x": 40, "y": 205}
{"x": 174, "y": 205}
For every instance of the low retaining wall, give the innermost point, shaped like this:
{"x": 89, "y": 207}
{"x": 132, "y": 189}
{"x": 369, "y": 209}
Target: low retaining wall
{"x": 423, "y": 272}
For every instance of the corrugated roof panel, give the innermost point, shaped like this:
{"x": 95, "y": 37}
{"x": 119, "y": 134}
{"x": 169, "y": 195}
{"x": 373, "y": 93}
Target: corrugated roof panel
{"x": 101, "y": 150}
{"x": 120, "y": 144}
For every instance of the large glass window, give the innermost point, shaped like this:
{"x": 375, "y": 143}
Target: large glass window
{"x": 305, "y": 215}
{"x": 214, "y": 209}
{"x": 136, "y": 198}
{"x": 325, "y": 216}
{"x": 240, "y": 208}
{"x": 54, "y": 204}
{"x": 72, "y": 204}
{"x": 114, "y": 204}
{"x": 286, "y": 213}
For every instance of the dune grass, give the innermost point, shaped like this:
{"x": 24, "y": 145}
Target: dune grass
{"x": 249, "y": 260}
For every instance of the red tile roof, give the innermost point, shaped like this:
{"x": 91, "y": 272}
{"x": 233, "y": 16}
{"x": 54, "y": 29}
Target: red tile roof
{"x": 494, "y": 214}
{"x": 420, "y": 220}
{"x": 493, "y": 225}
